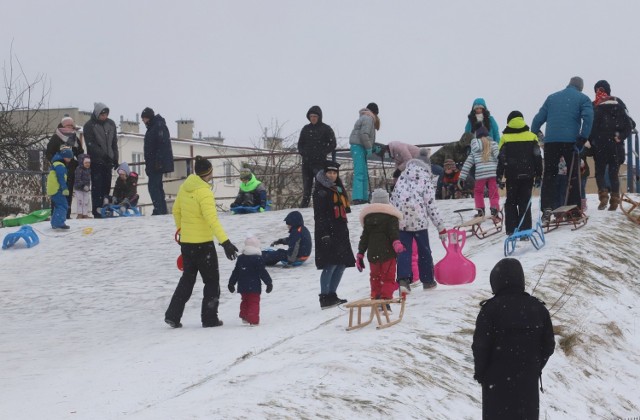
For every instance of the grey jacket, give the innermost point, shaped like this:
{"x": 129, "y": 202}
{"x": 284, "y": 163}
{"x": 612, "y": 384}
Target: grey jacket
{"x": 364, "y": 132}
{"x": 101, "y": 138}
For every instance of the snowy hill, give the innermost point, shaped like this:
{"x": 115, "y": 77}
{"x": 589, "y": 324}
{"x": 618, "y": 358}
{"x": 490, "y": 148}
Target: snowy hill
{"x": 84, "y": 337}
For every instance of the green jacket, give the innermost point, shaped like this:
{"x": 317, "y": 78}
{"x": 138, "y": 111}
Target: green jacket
{"x": 380, "y": 224}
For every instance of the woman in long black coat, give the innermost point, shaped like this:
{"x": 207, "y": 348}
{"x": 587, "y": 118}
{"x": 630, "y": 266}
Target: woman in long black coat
{"x": 511, "y": 345}
{"x": 332, "y": 243}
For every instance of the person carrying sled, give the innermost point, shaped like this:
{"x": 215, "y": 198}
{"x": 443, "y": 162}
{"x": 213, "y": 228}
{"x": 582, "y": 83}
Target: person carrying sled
{"x": 196, "y": 218}
{"x": 414, "y": 197}
{"x": 57, "y": 187}
{"x": 512, "y": 343}
{"x": 249, "y": 274}
{"x": 317, "y": 140}
{"x": 298, "y": 243}
{"x": 484, "y": 156}
{"x": 380, "y": 239}
{"x": 331, "y": 236}
{"x": 252, "y": 193}
{"x": 520, "y": 161}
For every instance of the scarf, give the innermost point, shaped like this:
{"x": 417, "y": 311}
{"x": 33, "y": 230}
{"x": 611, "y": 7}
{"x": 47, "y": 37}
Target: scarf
{"x": 68, "y": 136}
{"x": 601, "y": 96}
{"x": 340, "y": 203}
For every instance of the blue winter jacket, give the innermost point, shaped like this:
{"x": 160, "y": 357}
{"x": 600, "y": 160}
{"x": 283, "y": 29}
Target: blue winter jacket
{"x": 249, "y": 272}
{"x": 299, "y": 241}
{"x": 568, "y": 115}
{"x": 494, "y": 133}
{"x": 158, "y": 154}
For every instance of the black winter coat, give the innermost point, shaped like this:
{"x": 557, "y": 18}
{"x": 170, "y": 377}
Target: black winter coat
{"x": 316, "y": 140}
{"x": 610, "y": 118}
{"x": 331, "y": 236}
{"x": 53, "y": 147}
{"x": 248, "y": 274}
{"x": 519, "y": 156}
{"x": 511, "y": 345}
{"x": 158, "y": 153}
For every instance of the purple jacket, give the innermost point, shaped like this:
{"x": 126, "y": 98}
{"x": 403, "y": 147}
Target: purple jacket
{"x": 82, "y": 174}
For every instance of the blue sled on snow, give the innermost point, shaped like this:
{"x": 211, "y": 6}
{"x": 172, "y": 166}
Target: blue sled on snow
{"x": 116, "y": 210}
{"x": 247, "y": 209}
{"x": 26, "y": 233}
{"x": 535, "y": 236}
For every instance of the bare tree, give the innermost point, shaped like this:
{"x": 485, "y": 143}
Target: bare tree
{"x": 22, "y": 131}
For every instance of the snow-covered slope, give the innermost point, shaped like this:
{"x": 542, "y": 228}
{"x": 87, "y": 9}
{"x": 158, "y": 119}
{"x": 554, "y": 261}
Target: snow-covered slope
{"x": 83, "y": 335}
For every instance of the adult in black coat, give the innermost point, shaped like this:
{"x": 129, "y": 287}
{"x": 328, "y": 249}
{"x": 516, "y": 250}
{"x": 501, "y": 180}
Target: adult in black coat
{"x": 158, "y": 157}
{"x": 316, "y": 141}
{"x": 332, "y": 243}
{"x": 65, "y": 135}
{"x": 611, "y": 127}
{"x": 511, "y": 345}
{"x": 101, "y": 138}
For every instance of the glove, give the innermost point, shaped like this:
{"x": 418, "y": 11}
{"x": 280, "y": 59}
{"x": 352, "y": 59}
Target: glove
{"x": 537, "y": 182}
{"x": 398, "y": 247}
{"x": 230, "y": 250}
{"x": 86, "y": 188}
{"x": 460, "y": 184}
{"x": 269, "y": 288}
{"x": 369, "y": 151}
{"x": 360, "y": 262}
{"x": 581, "y": 141}
{"x": 326, "y": 240}
{"x": 261, "y": 210}
{"x": 231, "y": 288}
{"x": 500, "y": 183}
{"x": 443, "y": 234}
{"x": 65, "y": 192}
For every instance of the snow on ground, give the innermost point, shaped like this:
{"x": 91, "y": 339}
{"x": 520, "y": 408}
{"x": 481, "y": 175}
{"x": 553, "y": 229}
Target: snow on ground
{"x": 83, "y": 335}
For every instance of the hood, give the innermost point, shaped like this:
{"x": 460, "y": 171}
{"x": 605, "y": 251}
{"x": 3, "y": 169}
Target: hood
{"x": 480, "y": 102}
{"x": 294, "y": 219}
{"x": 82, "y": 157}
{"x": 157, "y": 119}
{"x": 250, "y": 185}
{"x": 374, "y": 208}
{"x": 315, "y": 110}
{"x": 125, "y": 167}
{"x": 98, "y": 108}
{"x": 57, "y": 158}
{"x": 517, "y": 123}
{"x": 416, "y": 169}
{"x": 507, "y": 276}
{"x": 194, "y": 182}
{"x": 322, "y": 178}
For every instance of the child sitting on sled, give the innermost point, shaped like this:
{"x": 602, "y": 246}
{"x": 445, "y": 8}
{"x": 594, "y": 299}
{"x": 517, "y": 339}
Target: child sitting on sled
{"x": 249, "y": 274}
{"x": 252, "y": 193}
{"x": 450, "y": 187}
{"x": 125, "y": 192}
{"x": 484, "y": 156}
{"x": 298, "y": 242}
{"x": 380, "y": 239}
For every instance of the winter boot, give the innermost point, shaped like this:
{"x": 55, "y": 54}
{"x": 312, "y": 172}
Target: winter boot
{"x": 404, "y": 285}
{"x": 172, "y": 323}
{"x": 480, "y": 213}
{"x": 209, "y": 324}
{"x": 603, "y": 196}
{"x": 614, "y": 201}
{"x": 429, "y": 286}
{"x": 335, "y": 297}
{"x": 327, "y": 301}
{"x": 583, "y": 204}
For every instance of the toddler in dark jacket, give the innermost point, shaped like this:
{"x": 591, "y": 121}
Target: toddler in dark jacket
{"x": 249, "y": 274}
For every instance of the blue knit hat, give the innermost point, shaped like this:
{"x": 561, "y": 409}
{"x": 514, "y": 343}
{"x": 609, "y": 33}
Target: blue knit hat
{"x": 66, "y": 152}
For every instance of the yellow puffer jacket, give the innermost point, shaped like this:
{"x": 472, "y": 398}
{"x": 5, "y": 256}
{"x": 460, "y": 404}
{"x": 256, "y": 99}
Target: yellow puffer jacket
{"x": 194, "y": 212}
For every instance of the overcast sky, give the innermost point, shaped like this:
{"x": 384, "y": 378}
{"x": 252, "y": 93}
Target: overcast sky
{"x": 234, "y": 66}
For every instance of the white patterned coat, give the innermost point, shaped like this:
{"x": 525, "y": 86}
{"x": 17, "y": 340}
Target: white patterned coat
{"x": 415, "y": 196}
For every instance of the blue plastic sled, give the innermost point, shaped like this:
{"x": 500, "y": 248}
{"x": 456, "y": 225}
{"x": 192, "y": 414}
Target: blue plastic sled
{"x": 115, "y": 210}
{"x": 246, "y": 209}
{"x": 26, "y": 233}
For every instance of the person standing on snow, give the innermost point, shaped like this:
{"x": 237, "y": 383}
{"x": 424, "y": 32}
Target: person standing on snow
{"x": 361, "y": 143}
{"x": 569, "y": 115}
{"x": 512, "y": 343}
{"x": 196, "y": 218}
{"x": 480, "y": 115}
{"x": 158, "y": 157}
{"x": 100, "y": 136}
{"x": 316, "y": 141}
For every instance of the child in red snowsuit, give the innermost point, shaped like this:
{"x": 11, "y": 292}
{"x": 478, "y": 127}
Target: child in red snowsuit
{"x": 381, "y": 237}
{"x": 249, "y": 274}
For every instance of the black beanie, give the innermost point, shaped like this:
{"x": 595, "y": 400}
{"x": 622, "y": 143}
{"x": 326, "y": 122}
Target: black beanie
{"x": 604, "y": 85}
{"x": 147, "y": 113}
{"x": 514, "y": 114}
{"x": 203, "y": 166}
{"x": 373, "y": 107}
{"x": 331, "y": 165}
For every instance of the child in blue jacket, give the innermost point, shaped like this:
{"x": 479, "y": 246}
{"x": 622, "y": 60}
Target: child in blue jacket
{"x": 298, "y": 242}
{"x": 58, "y": 189}
{"x": 248, "y": 274}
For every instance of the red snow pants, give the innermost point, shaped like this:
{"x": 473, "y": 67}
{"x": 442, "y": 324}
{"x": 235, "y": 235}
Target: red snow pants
{"x": 250, "y": 307}
{"x": 383, "y": 279}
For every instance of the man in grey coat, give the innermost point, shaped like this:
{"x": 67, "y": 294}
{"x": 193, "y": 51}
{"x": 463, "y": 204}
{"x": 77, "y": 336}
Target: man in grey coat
{"x": 100, "y": 136}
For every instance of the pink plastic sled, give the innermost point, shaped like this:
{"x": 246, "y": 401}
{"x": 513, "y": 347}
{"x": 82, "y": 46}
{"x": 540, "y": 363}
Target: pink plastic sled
{"x": 455, "y": 268}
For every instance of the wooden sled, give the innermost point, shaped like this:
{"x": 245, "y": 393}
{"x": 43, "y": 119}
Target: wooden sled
{"x": 564, "y": 216}
{"x": 630, "y": 207}
{"x": 378, "y": 310}
{"x": 477, "y": 226}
